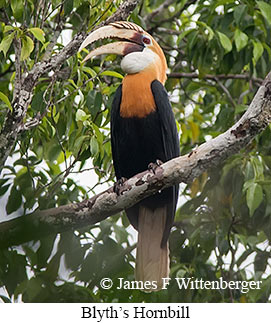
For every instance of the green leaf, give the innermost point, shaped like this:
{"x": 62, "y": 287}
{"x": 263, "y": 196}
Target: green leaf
{"x": 5, "y": 99}
{"x": 258, "y": 168}
{"x": 121, "y": 234}
{"x": 94, "y": 146}
{"x": 14, "y": 200}
{"x": 254, "y": 197}
{"x": 34, "y": 287}
{"x": 89, "y": 70}
{"x": 98, "y": 134}
{"x": 90, "y": 100}
{"x": 45, "y": 249}
{"x": 37, "y": 33}
{"x": 17, "y": 9}
{"x": 27, "y": 47}
{"x": 239, "y": 13}
{"x": 98, "y": 101}
{"x": 78, "y": 144}
{"x": 257, "y": 50}
{"x": 265, "y": 10}
{"x": 210, "y": 33}
{"x": 195, "y": 131}
{"x": 247, "y": 184}
{"x": 225, "y": 42}
{"x": 68, "y": 6}
{"x": 21, "y": 288}
{"x": 70, "y": 246}
{"x": 261, "y": 261}
{"x": 3, "y": 189}
{"x": 3, "y": 3}
{"x": 89, "y": 267}
{"x": 8, "y": 28}
{"x": 241, "y": 39}
{"x": 72, "y": 83}
{"x": 112, "y": 73}
{"x": 6, "y": 42}
{"x": 209, "y": 29}
{"x": 240, "y": 108}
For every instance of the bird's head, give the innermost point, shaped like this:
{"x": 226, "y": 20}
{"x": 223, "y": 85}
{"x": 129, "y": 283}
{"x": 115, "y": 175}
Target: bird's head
{"x": 139, "y": 49}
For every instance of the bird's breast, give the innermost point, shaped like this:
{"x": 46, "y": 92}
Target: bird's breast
{"x": 137, "y": 98}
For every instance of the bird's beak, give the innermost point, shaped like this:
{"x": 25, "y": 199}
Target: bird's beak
{"x": 131, "y": 40}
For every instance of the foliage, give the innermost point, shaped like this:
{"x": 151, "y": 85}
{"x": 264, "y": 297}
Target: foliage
{"x": 223, "y": 224}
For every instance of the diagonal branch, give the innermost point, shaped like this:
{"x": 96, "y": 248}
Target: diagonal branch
{"x": 182, "y": 169}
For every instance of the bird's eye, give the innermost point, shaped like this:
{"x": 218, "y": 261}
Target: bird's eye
{"x": 146, "y": 40}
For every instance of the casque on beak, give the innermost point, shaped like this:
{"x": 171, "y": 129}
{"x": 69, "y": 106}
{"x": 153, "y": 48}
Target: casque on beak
{"x": 130, "y": 36}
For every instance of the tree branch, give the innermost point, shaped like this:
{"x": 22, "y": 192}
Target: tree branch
{"x": 14, "y": 120}
{"x": 124, "y": 10}
{"x": 195, "y": 75}
{"x": 159, "y": 10}
{"x": 227, "y": 92}
{"x": 56, "y": 34}
{"x": 182, "y": 169}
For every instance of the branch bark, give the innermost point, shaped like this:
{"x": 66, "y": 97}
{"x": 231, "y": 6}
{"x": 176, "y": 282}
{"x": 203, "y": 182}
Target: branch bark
{"x": 14, "y": 122}
{"x": 182, "y": 169}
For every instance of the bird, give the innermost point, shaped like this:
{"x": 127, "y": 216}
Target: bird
{"x": 143, "y": 134}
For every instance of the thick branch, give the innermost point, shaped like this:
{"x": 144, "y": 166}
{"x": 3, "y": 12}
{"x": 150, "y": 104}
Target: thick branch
{"x": 14, "y": 120}
{"x": 183, "y": 169}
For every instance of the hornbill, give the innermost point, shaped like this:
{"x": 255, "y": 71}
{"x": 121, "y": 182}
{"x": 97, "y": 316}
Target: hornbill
{"x": 143, "y": 131}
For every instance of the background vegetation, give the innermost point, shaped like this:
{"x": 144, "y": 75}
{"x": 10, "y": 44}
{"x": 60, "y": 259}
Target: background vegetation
{"x": 218, "y": 52}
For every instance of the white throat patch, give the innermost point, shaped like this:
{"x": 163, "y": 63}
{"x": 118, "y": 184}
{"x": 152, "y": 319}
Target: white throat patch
{"x": 138, "y": 61}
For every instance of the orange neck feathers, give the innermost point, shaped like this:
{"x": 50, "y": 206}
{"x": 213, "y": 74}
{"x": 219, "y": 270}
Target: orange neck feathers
{"x": 137, "y": 98}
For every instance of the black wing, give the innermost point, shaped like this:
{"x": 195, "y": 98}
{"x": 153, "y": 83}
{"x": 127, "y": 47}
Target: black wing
{"x": 168, "y": 125}
{"x": 115, "y": 111}
{"x": 171, "y": 145}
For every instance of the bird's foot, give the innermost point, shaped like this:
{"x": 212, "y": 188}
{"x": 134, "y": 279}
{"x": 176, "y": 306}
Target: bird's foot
{"x": 153, "y": 166}
{"x": 118, "y": 186}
